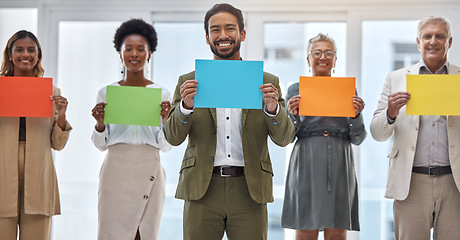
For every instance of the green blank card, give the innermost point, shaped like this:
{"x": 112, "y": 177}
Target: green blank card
{"x": 133, "y": 105}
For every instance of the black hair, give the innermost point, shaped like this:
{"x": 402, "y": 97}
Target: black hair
{"x": 223, "y": 7}
{"x": 136, "y": 26}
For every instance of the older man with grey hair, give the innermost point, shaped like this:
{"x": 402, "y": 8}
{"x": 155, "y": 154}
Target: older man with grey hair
{"x": 424, "y": 170}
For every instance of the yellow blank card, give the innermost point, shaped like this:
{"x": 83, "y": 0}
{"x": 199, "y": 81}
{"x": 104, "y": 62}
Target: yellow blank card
{"x": 433, "y": 94}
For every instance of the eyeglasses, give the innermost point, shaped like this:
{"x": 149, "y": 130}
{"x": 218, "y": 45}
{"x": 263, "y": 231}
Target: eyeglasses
{"x": 317, "y": 54}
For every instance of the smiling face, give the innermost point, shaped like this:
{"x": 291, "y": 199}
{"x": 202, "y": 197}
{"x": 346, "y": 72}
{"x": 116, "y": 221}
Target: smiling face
{"x": 433, "y": 43}
{"x": 322, "y": 65}
{"x": 134, "y": 52}
{"x": 224, "y": 36}
{"x": 24, "y": 55}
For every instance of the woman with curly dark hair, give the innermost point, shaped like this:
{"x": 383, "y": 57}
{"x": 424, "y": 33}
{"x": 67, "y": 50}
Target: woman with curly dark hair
{"x": 132, "y": 180}
{"x": 29, "y": 194}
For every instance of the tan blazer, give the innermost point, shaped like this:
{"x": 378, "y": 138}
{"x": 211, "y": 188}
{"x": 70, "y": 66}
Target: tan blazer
{"x": 405, "y": 130}
{"x": 40, "y": 184}
{"x": 201, "y": 128}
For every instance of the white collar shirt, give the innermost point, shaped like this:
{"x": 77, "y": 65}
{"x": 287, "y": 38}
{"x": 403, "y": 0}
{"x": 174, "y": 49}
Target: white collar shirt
{"x": 229, "y": 148}
{"x": 229, "y": 145}
{"x": 432, "y": 141}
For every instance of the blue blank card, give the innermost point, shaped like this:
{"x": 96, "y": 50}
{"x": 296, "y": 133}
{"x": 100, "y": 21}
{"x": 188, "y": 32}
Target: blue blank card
{"x": 229, "y": 84}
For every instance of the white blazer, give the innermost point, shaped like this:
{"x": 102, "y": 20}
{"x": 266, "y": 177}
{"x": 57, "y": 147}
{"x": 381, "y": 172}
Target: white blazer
{"x": 405, "y": 130}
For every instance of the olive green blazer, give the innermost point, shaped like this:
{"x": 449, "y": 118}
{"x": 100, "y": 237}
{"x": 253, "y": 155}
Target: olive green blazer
{"x": 200, "y": 127}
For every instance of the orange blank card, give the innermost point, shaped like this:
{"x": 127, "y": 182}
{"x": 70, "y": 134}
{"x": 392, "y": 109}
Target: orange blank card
{"x": 26, "y": 97}
{"x": 327, "y": 96}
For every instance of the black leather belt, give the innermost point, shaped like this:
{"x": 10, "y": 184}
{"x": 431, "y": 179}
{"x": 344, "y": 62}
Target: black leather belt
{"x": 228, "y": 171}
{"x": 433, "y": 171}
{"x": 325, "y": 133}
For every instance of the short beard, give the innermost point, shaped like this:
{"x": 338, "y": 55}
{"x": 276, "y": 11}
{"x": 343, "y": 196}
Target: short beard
{"x": 236, "y": 48}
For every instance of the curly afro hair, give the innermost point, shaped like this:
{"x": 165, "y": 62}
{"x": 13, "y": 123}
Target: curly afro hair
{"x": 136, "y": 26}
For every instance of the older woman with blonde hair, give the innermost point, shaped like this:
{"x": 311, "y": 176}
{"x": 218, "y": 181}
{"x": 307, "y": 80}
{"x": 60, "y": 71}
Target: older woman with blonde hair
{"x": 321, "y": 188}
{"x": 29, "y": 194}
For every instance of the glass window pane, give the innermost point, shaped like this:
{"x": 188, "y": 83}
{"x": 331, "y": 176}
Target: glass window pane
{"x": 8, "y": 26}
{"x": 286, "y": 48}
{"x": 386, "y": 46}
{"x": 87, "y": 61}
{"x": 179, "y": 44}
{"x": 286, "y": 56}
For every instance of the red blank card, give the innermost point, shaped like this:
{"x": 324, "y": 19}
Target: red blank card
{"x": 26, "y": 97}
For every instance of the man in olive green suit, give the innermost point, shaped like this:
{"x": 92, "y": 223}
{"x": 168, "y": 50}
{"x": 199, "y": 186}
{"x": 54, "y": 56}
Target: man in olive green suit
{"x": 226, "y": 173}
